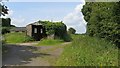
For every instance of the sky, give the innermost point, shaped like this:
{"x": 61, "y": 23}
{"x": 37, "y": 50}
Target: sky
{"x": 46, "y": 0}
{"x": 23, "y": 13}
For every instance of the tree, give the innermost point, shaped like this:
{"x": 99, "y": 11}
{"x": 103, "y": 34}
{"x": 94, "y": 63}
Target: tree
{"x": 6, "y": 22}
{"x": 103, "y": 20}
{"x": 3, "y": 10}
{"x": 71, "y": 30}
{"x": 6, "y": 25}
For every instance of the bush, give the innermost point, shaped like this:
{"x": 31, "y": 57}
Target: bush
{"x": 28, "y": 39}
{"x": 71, "y": 30}
{"x": 5, "y": 30}
{"x": 67, "y": 38}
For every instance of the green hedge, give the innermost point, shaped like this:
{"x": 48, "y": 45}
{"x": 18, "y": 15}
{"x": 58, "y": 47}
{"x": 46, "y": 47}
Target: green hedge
{"x": 103, "y": 20}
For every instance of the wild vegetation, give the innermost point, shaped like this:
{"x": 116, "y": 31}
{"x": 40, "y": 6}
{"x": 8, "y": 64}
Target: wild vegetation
{"x": 3, "y": 9}
{"x": 49, "y": 42}
{"x": 6, "y": 25}
{"x": 17, "y": 38}
{"x": 103, "y": 20}
{"x": 59, "y": 29}
{"x": 94, "y": 49}
{"x": 88, "y": 51}
{"x": 97, "y": 47}
{"x": 71, "y": 30}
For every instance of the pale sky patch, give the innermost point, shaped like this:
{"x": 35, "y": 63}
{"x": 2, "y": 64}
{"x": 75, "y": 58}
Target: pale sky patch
{"x": 17, "y": 21}
{"x": 46, "y": 0}
{"x": 76, "y": 20}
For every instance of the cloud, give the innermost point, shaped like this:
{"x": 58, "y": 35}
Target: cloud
{"x": 18, "y": 22}
{"x": 76, "y": 20}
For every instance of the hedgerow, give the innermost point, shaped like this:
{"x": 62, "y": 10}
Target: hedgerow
{"x": 103, "y": 20}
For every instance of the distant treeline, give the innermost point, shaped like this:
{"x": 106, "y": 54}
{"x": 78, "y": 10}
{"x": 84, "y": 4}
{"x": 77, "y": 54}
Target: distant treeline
{"x": 103, "y": 20}
{"x": 6, "y": 25}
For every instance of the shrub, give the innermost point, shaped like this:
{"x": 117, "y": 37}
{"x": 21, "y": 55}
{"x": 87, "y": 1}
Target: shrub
{"x": 67, "y": 38}
{"x": 28, "y": 39}
{"x": 5, "y": 30}
{"x": 71, "y": 30}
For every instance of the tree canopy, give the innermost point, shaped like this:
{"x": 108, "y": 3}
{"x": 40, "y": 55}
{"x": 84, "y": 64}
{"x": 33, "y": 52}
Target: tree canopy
{"x": 5, "y": 25}
{"x": 3, "y": 10}
{"x": 103, "y": 20}
{"x": 71, "y": 30}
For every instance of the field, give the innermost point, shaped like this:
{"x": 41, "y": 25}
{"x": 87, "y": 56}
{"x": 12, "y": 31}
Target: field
{"x": 88, "y": 51}
{"x": 17, "y": 38}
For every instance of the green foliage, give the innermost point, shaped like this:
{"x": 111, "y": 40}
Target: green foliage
{"x": 59, "y": 29}
{"x": 88, "y": 51}
{"x": 6, "y": 25}
{"x": 71, "y": 30}
{"x": 3, "y": 10}
{"x": 103, "y": 20}
{"x": 6, "y": 22}
{"x": 5, "y": 30}
{"x": 17, "y": 38}
{"x": 67, "y": 37}
{"x": 28, "y": 39}
{"x": 49, "y": 42}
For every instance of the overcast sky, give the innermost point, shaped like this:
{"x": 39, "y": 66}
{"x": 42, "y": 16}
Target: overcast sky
{"x": 23, "y": 13}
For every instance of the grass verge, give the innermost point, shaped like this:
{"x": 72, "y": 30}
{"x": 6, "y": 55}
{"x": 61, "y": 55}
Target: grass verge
{"x": 49, "y": 42}
{"x": 88, "y": 51}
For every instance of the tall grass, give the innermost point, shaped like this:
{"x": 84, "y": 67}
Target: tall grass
{"x": 17, "y": 38}
{"x": 88, "y": 51}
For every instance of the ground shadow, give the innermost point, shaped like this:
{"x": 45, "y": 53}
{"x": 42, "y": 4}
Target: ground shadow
{"x": 20, "y": 54}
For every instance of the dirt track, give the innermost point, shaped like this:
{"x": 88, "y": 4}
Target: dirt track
{"x": 27, "y": 54}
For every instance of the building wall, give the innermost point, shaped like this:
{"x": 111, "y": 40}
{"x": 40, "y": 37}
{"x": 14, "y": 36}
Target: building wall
{"x": 29, "y": 30}
{"x": 35, "y": 31}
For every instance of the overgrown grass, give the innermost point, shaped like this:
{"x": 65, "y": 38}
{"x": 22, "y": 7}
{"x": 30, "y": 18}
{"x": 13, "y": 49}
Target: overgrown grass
{"x": 88, "y": 51}
{"x": 17, "y": 38}
{"x": 49, "y": 42}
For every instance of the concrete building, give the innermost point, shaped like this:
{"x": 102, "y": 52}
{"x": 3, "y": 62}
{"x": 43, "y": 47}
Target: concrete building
{"x": 36, "y": 30}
